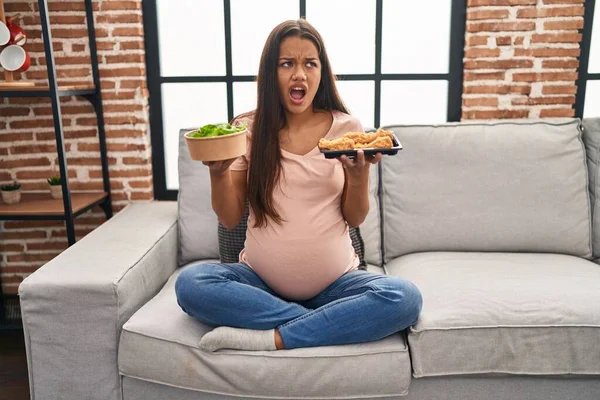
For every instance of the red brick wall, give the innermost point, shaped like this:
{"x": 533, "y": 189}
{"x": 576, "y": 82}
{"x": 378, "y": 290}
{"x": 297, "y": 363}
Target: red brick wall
{"x": 27, "y": 143}
{"x": 521, "y": 58}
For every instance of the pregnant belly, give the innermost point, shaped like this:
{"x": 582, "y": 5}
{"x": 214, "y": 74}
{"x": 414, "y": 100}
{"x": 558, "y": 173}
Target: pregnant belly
{"x": 300, "y": 269}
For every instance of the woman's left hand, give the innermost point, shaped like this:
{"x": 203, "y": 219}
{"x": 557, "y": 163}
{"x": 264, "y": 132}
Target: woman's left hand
{"x": 357, "y": 169}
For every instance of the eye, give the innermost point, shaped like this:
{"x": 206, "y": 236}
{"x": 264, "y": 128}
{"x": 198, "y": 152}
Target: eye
{"x": 286, "y": 64}
{"x": 311, "y": 64}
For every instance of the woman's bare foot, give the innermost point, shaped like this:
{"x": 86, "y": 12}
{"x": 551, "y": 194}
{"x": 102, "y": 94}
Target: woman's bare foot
{"x": 278, "y": 340}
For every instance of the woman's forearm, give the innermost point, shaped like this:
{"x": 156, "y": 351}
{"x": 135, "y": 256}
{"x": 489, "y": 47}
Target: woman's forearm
{"x": 355, "y": 205}
{"x": 225, "y": 201}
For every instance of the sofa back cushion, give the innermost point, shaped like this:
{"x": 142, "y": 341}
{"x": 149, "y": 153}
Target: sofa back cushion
{"x": 198, "y": 239}
{"x": 514, "y": 185}
{"x": 591, "y": 139}
{"x": 370, "y": 229}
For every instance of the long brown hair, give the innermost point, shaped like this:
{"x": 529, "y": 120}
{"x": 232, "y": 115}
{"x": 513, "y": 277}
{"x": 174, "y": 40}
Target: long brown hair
{"x": 269, "y": 116}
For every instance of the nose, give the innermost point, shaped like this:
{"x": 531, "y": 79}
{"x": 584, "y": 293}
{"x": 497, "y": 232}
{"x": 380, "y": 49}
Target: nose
{"x": 299, "y": 73}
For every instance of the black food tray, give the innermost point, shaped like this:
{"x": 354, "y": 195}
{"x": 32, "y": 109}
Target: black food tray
{"x": 368, "y": 152}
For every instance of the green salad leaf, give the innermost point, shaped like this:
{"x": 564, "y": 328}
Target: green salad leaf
{"x": 217, "y": 130}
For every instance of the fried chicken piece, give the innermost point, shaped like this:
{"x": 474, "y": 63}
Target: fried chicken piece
{"x": 382, "y": 142}
{"x": 384, "y": 133}
{"x": 364, "y": 138}
{"x": 360, "y": 137}
{"x": 337, "y": 144}
{"x": 381, "y": 139}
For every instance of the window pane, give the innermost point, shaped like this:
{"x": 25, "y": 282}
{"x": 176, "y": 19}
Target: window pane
{"x": 591, "y": 109}
{"x": 413, "y": 102}
{"x": 342, "y": 27}
{"x": 188, "y": 105}
{"x": 251, "y": 23}
{"x": 185, "y": 47}
{"x": 594, "y": 65}
{"x": 359, "y": 97}
{"x": 408, "y": 44}
{"x": 244, "y": 97}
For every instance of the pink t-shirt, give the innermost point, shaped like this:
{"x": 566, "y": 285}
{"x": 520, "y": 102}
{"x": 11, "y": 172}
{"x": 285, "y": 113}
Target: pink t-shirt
{"x": 312, "y": 246}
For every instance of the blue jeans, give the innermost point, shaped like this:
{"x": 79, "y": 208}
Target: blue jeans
{"x": 359, "y": 306}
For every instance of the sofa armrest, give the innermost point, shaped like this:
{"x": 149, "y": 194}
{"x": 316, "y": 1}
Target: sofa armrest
{"x": 74, "y": 307}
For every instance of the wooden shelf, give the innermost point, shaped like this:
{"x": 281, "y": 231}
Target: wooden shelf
{"x": 44, "y": 91}
{"x": 46, "y": 87}
{"x": 42, "y": 205}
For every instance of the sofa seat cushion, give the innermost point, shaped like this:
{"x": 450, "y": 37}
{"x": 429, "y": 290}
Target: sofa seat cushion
{"x": 160, "y": 344}
{"x": 513, "y": 313}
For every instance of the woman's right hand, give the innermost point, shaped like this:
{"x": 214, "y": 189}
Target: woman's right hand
{"x": 218, "y": 168}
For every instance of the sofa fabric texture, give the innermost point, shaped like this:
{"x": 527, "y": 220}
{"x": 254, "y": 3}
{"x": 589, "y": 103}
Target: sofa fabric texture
{"x": 591, "y": 139}
{"x": 198, "y": 239}
{"x": 370, "y": 229}
{"x": 519, "y": 313}
{"x": 452, "y": 388}
{"x": 510, "y": 186}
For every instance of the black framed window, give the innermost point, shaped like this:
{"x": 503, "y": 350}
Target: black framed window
{"x": 202, "y": 58}
{"x": 587, "y": 104}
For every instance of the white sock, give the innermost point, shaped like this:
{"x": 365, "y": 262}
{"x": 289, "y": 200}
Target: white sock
{"x": 225, "y": 337}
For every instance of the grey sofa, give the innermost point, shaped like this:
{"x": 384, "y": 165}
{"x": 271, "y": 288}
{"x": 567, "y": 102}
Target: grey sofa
{"x": 495, "y": 222}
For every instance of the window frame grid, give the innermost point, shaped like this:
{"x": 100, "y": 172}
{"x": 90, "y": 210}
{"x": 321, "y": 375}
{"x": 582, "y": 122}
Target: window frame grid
{"x": 584, "y": 59}
{"x": 156, "y": 80}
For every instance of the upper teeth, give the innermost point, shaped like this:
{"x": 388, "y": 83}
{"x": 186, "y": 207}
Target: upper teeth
{"x": 297, "y": 88}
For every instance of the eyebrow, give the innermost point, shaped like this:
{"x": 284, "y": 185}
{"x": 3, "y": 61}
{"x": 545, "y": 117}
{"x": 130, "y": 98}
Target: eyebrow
{"x": 292, "y": 58}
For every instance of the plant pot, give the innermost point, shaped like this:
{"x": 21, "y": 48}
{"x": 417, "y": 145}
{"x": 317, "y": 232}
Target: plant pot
{"x": 217, "y": 148}
{"x": 11, "y": 196}
{"x": 56, "y": 191}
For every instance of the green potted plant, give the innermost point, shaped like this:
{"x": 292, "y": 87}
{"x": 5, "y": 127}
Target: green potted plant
{"x": 55, "y": 187}
{"x": 11, "y": 193}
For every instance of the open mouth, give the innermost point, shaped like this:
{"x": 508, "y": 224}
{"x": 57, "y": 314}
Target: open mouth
{"x": 297, "y": 94}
